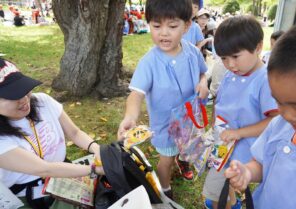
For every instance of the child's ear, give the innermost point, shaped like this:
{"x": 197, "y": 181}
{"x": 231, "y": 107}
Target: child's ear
{"x": 187, "y": 26}
{"x": 259, "y": 48}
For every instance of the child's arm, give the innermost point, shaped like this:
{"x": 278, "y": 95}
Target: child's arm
{"x": 202, "y": 87}
{"x": 133, "y": 109}
{"x": 241, "y": 175}
{"x": 248, "y": 131}
{"x": 200, "y": 44}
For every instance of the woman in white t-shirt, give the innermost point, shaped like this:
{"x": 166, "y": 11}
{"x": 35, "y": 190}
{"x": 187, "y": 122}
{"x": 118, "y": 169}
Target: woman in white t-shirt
{"x": 32, "y": 139}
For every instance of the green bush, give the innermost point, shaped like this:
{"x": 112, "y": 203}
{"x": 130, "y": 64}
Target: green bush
{"x": 253, "y": 10}
{"x": 231, "y": 6}
{"x": 272, "y": 12}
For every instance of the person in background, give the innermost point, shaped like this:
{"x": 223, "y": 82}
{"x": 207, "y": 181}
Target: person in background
{"x": 203, "y": 17}
{"x": 18, "y": 20}
{"x": 162, "y": 77}
{"x": 194, "y": 34}
{"x": 273, "y": 38}
{"x": 274, "y": 160}
{"x": 33, "y": 130}
{"x": 2, "y": 15}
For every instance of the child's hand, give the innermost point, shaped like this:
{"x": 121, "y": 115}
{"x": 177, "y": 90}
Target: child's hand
{"x": 229, "y": 135}
{"x": 124, "y": 126}
{"x": 210, "y": 39}
{"x": 202, "y": 91}
{"x": 239, "y": 175}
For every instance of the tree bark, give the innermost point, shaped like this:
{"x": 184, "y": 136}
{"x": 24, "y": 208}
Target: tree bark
{"x": 92, "y": 61}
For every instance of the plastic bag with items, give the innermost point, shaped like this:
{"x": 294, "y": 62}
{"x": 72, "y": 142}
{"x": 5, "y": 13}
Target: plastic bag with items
{"x": 187, "y": 128}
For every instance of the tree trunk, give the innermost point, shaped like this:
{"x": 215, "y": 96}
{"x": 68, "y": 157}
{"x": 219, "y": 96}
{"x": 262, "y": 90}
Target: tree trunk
{"x": 92, "y": 61}
{"x": 254, "y": 7}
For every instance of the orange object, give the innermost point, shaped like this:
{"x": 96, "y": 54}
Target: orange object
{"x": 294, "y": 138}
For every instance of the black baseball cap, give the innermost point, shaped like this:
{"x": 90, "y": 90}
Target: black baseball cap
{"x": 13, "y": 84}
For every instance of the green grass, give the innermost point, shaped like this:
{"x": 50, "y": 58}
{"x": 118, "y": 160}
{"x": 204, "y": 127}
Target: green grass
{"x": 37, "y": 52}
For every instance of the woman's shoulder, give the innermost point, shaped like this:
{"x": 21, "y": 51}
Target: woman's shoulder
{"x": 41, "y": 97}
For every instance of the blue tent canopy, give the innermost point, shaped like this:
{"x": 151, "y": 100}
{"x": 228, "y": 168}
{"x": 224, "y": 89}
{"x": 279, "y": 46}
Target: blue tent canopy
{"x": 200, "y": 4}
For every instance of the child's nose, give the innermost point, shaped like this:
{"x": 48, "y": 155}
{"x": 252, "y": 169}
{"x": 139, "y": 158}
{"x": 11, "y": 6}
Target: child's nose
{"x": 164, "y": 31}
{"x": 231, "y": 64}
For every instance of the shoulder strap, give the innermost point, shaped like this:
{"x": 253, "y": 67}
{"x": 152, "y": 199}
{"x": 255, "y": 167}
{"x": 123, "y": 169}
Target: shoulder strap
{"x": 224, "y": 195}
{"x": 17, "y": 188}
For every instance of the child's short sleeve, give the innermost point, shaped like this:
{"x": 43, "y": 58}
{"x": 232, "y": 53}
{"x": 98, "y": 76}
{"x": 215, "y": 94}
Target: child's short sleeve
{"x": 267, "y": 102}
{"x": 257, "y": 148}
{"x": 142, "y": 77}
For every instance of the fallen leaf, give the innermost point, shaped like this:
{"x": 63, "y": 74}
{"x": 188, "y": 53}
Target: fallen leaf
{"x": 72, "y": 105}
{"x": 147, "y": 155}
{"x": 92, "y": 135}
{"x": 150, "y": 149}
{"x": 78, "y": 103}
{"x": 69, "y": 143}
{"x": 103, "y": 119}
{"x": 103, "y": 135}
{"x": 48, "y": 91}
{"x": 98, "y": 138}
{"x": 77, "y": 116}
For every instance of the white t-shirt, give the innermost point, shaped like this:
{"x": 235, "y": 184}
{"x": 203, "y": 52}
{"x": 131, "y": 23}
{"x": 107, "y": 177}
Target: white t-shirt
{"x": 50, "y": 134}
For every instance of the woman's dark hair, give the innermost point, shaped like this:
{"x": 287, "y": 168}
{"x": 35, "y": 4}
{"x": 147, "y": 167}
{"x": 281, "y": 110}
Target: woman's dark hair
{"x": 282, "y": 59}
{"x": 161, "y": 9}
{"x": 277, "y": 34}
{"x": 196, "y": 2}
{"x": 238, "y": 33}
{"x": 7, "y": 130}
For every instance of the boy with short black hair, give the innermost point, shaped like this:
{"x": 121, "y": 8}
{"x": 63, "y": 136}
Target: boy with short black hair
{"x": 243, "y": 99}
{"x": 274, "y": 159}
{"x": 166, "y": 76}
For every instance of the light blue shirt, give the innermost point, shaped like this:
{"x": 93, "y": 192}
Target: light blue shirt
{"x": 243, "y": 101}
{"x": 194, "y": 34}
{"x": 277, "y": 155}
{"x": 167, "y": 82}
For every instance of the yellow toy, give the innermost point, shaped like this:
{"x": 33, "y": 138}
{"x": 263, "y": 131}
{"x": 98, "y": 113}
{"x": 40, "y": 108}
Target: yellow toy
{"x": 137, "y": 135}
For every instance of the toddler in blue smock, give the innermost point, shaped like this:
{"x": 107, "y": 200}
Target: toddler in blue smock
{"x": 194, "y": 34}
{"x": 274, "y": 152}
{"x": 171, "y": 72}
{"x": 243, "y": 98}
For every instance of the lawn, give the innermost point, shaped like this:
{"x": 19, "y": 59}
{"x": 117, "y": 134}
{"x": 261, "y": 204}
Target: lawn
{"x": 37, "y": 52}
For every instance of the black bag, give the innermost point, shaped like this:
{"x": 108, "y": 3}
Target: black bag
{"x": 125, "y": 170}
{"x": 224, "y": 195}
{"x": 44, "y": 202}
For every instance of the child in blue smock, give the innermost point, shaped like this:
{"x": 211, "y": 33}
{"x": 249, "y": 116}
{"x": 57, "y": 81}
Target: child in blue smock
{"x": 243, "y": 99}
{"x": 171, "y": 72}
{"x": 194, "y": 34}
{"x": 274, "y": 152}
